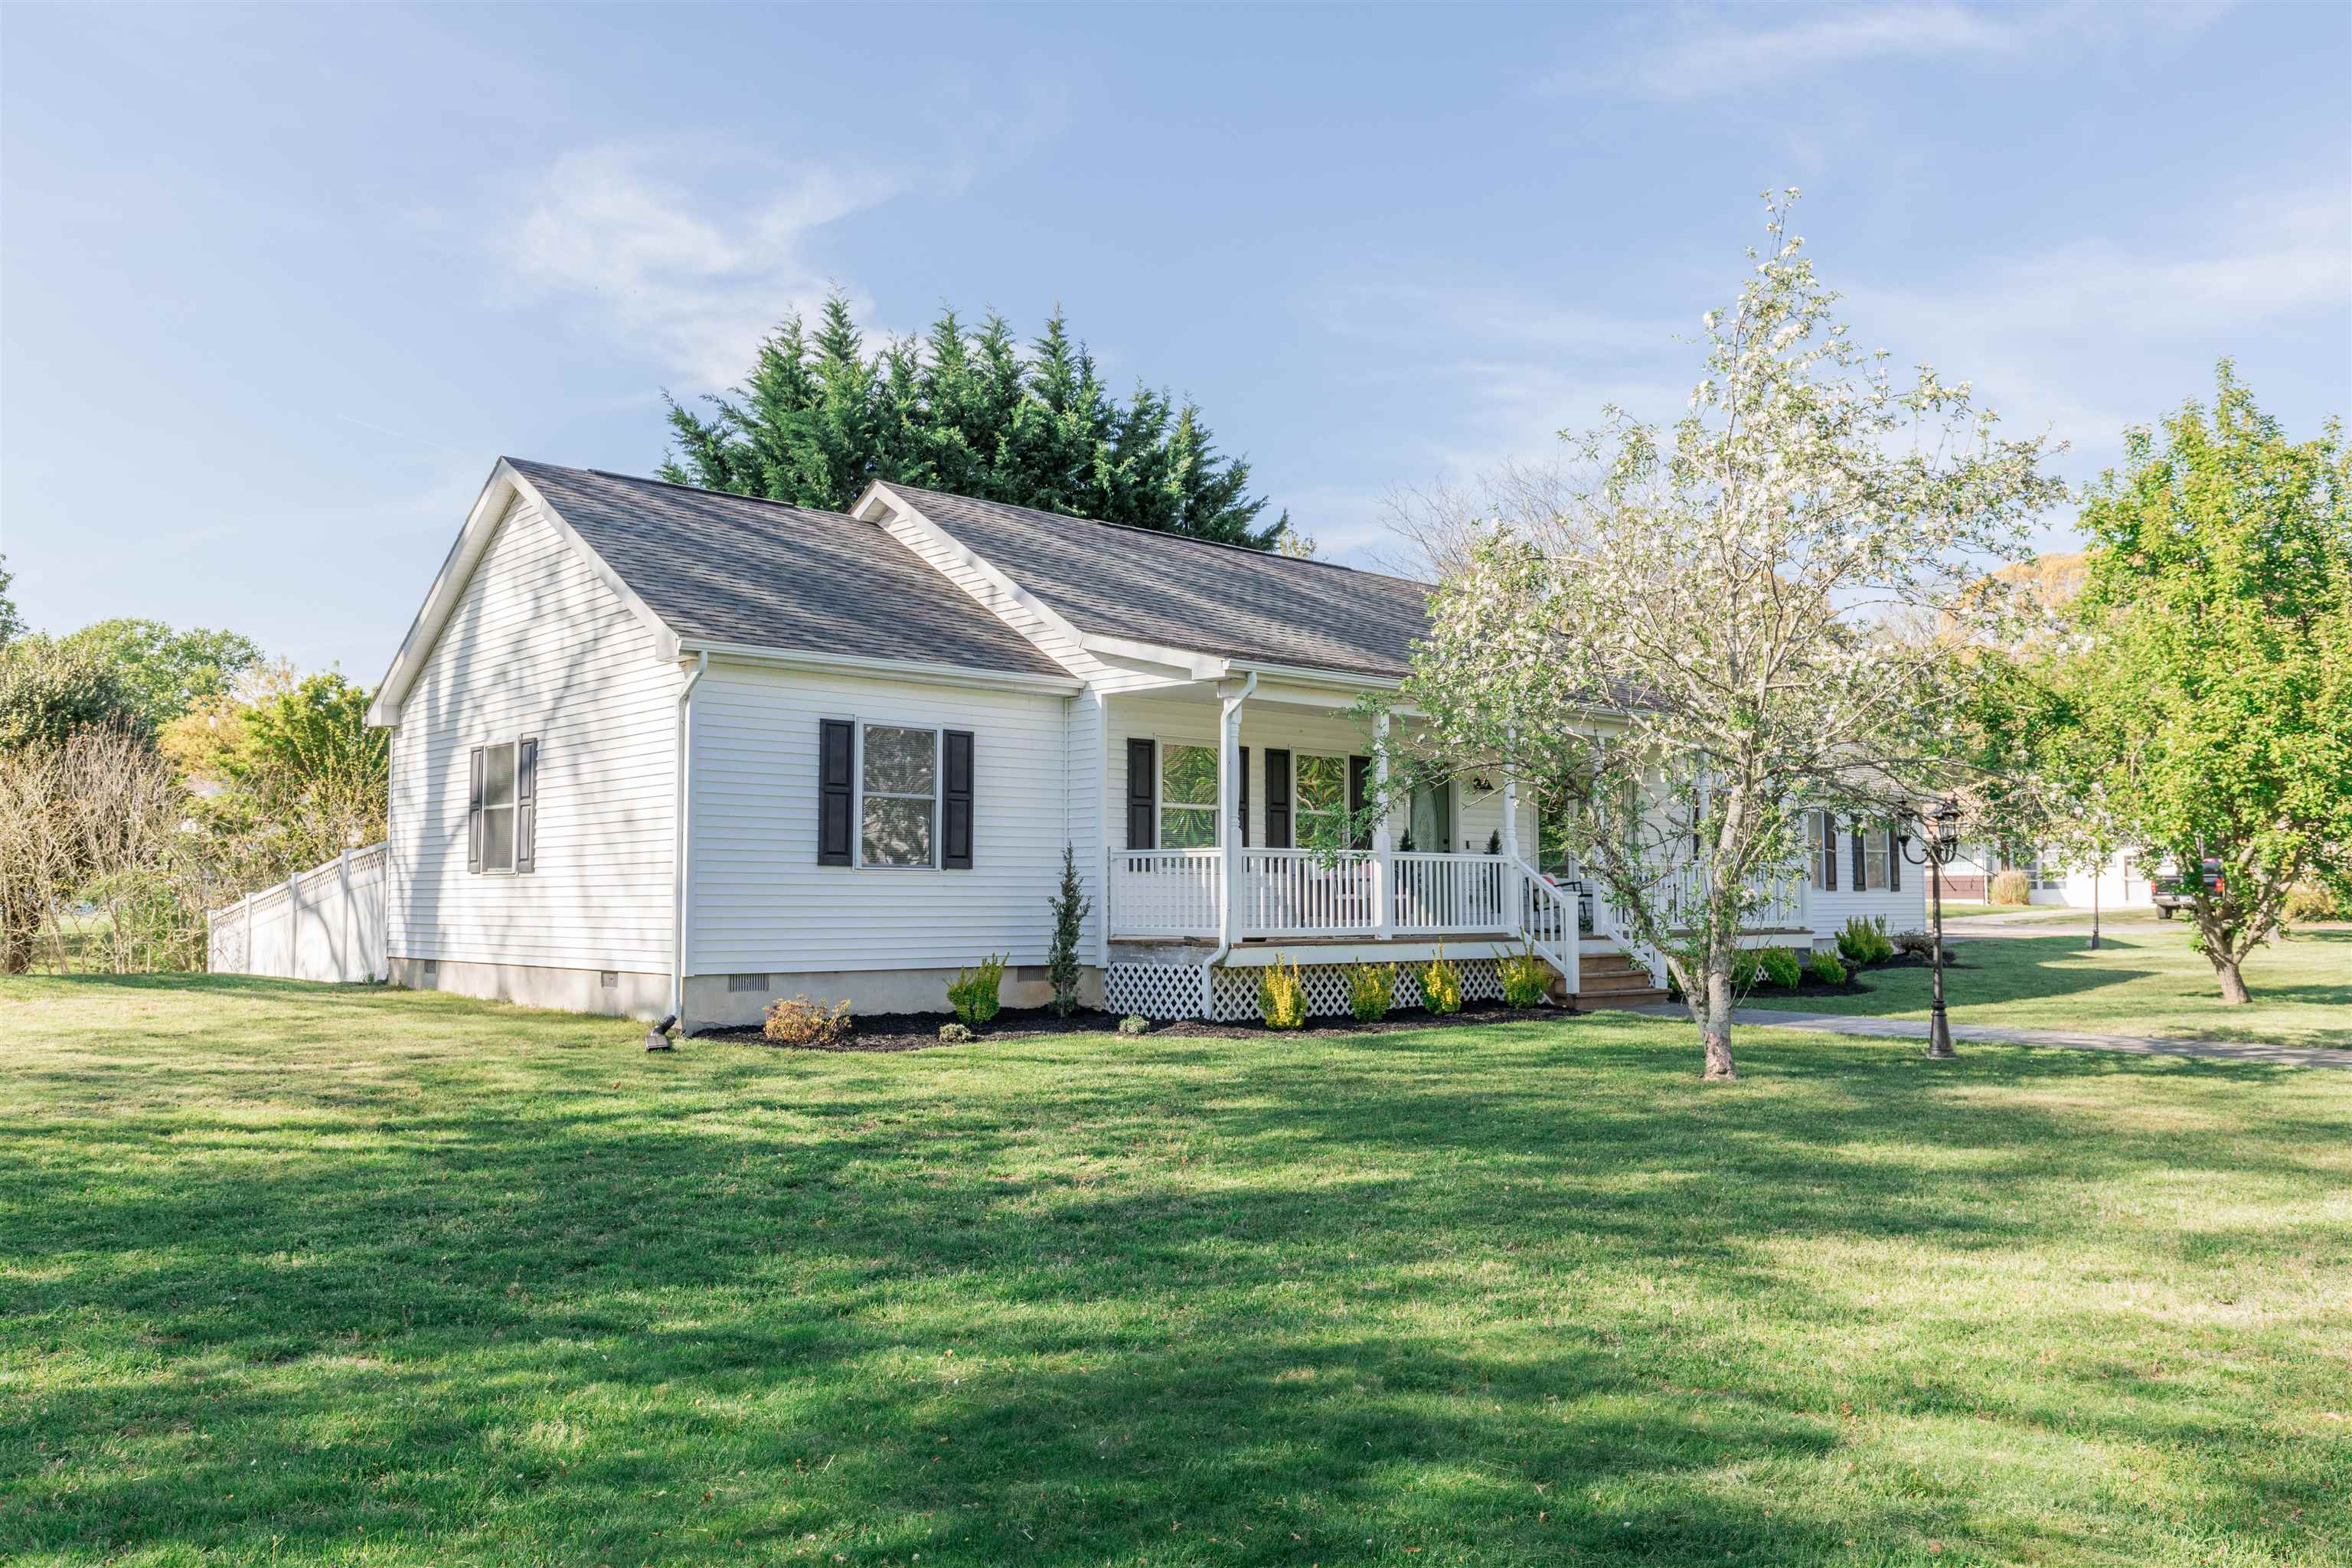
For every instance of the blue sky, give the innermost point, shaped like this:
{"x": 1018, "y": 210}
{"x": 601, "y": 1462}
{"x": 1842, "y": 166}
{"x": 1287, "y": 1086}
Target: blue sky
{"x": 277, "y": 286}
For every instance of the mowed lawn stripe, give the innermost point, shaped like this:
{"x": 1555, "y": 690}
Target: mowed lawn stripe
{"x": 292, "y": 1274}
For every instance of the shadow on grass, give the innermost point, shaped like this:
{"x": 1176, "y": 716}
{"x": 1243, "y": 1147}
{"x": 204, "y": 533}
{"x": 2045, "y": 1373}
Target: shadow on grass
{"x": 1072, "y": 1302}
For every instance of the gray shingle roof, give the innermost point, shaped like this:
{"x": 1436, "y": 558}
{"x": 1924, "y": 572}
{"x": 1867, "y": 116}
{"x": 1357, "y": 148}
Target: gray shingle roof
{"x": 1188, "y": 594}
{"x": 726, "y": 568}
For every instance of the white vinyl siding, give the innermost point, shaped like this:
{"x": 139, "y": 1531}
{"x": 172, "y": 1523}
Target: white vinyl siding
{"x": 762, "y": 902}
{"x": 1903, "y": 910}
{"x": 538, "y": 647}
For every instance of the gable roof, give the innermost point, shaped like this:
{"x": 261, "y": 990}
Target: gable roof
{"x": 1191, "y": 594}
{"x": 720, "y": 568}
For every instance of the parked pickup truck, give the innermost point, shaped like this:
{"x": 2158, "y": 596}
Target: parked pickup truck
{"x": 2174, "y": 891}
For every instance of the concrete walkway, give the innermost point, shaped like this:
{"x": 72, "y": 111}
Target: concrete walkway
{"x": 1964, "y": 1034}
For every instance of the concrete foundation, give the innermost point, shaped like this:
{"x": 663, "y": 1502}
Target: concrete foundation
{"x": 712, "y": 1003}
{"x": 630, "y": 995}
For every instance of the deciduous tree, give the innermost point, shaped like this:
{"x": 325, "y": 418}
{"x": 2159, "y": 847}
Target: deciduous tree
{"x": 1722, "y": 624}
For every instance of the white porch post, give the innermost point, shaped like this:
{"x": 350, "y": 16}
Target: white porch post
{"x": 1383, "y": 845}
{"x": 1231, "y": 694}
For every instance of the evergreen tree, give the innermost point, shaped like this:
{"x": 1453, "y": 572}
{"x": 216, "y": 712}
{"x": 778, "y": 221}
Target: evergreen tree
{"x": 964, "y": 410}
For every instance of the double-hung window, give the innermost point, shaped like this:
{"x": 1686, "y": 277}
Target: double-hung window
{"x": 1877, "y": 844}
{"x": 1321, "y": 802}
{"x": 898, "y": 797}
{"x": 502, "y": 828}
{"x": 1188, "y": 797}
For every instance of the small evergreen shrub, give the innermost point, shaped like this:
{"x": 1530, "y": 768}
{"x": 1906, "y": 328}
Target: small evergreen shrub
{"x": 1828, "y": 970}
{"x": 1070, "y": 907}
{"x": 1134, "y": 1024}
{"x": 1526, "y": 979}
{"x": 1370, "y": 986}
{"x": 1441, "y": 985}
{"x": 1914, "y": 943}
{"x": 800, "y": 1021}
{"x": 1282, "y": 995}
{"x": 1863, "y": 941}
{"x": 1780, "y": 967}
{"x": 973, "y": 993}
{"x": 953, "y": 1034}
{"x": 2010, "y": 888}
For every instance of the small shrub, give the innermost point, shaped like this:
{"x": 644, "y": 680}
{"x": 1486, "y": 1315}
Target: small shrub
{"x": 1780, "y": 967}
{"x": 1441, "y": 985}
{"x": 973, "y": 994}
{"x": 2010, "y": 888}
{"x": 1862, "y": 943}
{"x": 1914, "y": 943}
{"x": 954, "y": 1034}
{"x": 1526, "y": 979}
{"x": 1370, "y": 986}
{"x": 1828, "y": 970}
{"x": 1282, "y": 995}
{"x": 1070, "y": 907}
{"x": 1134, "y": 1024}
{"x": 801, "y": 1021}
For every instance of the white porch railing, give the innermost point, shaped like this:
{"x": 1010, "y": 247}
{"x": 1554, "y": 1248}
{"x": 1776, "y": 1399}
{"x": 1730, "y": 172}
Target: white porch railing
{"x": 1305, "y": 893}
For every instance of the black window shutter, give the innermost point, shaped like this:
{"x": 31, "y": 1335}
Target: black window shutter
{"x": 1277, "y": 798}
{"x": 836, "y": 772}
{"x": 955, "y": 801}
{"x": 1860, "y": 867}
{"x": 1241, "y": 800}
{"x": 1360, "y": 773}
{"x": 526, "y": 805}
{"x": 474, "y": 819}
{"x": 1829, "y": 852}
{"x": 1894, "y": 864}
{"x": 1142, "y": 768}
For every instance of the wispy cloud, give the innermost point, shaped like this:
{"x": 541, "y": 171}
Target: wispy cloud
{"x": 692, "y": 278}
{"x": 1702, "y": 54}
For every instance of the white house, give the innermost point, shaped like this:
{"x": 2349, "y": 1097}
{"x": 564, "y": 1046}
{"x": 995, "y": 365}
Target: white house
{"x": 2125, "y": 881}
{"x": 659, "y": 750}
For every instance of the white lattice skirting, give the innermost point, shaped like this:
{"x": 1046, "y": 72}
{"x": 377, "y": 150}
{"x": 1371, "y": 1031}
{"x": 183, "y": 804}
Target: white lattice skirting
{"x": 1173, "y": 990}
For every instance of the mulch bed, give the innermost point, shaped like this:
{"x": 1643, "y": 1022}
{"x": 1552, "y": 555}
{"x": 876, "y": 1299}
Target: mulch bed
{"x": 920, "y": 1031}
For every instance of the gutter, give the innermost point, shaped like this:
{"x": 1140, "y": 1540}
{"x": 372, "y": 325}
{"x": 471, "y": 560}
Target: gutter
{"x": 680, "y": 866}
{"x": 901, "y": 668}
{"x": 1228, "y": 735}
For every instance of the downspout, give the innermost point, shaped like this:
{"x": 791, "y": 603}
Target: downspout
{"x": 1229, "y": 797}
{"x": 680, "y": 878}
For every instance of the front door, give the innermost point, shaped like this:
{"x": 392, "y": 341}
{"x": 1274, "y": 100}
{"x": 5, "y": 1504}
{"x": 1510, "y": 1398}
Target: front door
{"x": 1432, "y": 818}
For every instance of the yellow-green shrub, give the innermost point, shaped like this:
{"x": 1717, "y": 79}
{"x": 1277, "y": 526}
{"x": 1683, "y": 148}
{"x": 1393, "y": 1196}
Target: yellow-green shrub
{"x": 1441, "y": 985}
{"x": 1370, "y": 986}
{"x": 1282, "y": 995}
{"x": 1828, "y": 970}
{"x": 1779, "y": 966}
{"x": 2011, "y": 888}
{"x": 973, "y": 994}
{"x": 1526, "y": 978}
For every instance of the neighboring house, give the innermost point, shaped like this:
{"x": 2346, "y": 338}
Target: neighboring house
{"x": 664, "y": 749}
{"x": 2122, "y": 883}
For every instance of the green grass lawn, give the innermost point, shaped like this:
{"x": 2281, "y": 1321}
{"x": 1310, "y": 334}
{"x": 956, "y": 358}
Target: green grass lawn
{"x": 2142, "y": 981}
{"x": 294, "y": 1274}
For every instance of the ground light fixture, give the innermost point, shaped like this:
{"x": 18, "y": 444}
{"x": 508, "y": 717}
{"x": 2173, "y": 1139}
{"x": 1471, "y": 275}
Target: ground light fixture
{"x": 1939, "y": 845}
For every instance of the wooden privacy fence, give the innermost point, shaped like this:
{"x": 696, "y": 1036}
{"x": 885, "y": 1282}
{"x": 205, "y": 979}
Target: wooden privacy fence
{"x": 326, "y": 924}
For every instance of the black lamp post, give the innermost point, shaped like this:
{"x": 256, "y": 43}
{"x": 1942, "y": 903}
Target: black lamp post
{"x": 1939, "y": 845}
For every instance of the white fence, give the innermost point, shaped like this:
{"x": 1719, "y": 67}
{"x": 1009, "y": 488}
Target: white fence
{"x": 325, "y": 924}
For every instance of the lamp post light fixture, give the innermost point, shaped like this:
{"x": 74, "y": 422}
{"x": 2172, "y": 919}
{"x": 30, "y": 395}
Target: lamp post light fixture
{"x": 1939, "y": 845}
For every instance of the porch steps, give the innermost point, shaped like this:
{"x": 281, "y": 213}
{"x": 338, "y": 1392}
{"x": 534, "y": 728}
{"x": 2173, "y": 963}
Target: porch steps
{"x": 1615, "y": 980}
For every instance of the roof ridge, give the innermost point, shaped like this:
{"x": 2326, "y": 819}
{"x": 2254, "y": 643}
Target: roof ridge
{"x": 1247, "y": 550}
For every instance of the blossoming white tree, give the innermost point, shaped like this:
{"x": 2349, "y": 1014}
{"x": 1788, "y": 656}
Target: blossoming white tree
{"x": 1763, "y": 609}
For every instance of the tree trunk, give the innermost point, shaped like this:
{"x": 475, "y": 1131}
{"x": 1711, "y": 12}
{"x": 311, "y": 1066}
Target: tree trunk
{"x": 1715, "y": 1028}
{"x": 2233, "y": 984}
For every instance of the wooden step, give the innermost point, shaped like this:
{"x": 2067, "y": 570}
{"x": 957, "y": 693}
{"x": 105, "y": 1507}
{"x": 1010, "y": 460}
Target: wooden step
{"x": 1589, "y": 1000}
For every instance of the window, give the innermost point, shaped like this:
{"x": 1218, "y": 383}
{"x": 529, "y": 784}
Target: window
{"x": 2048, "y": 873}
{"x": 498, "y": 807}
{"x": 1320, "y": 801}
{"x": 502, "y": 807}
{"x": 1877, "y": 844}
{"x": 1820, "y": 849}
{"x": 1188, "y": 797}
{"x": 899, "y": 795}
